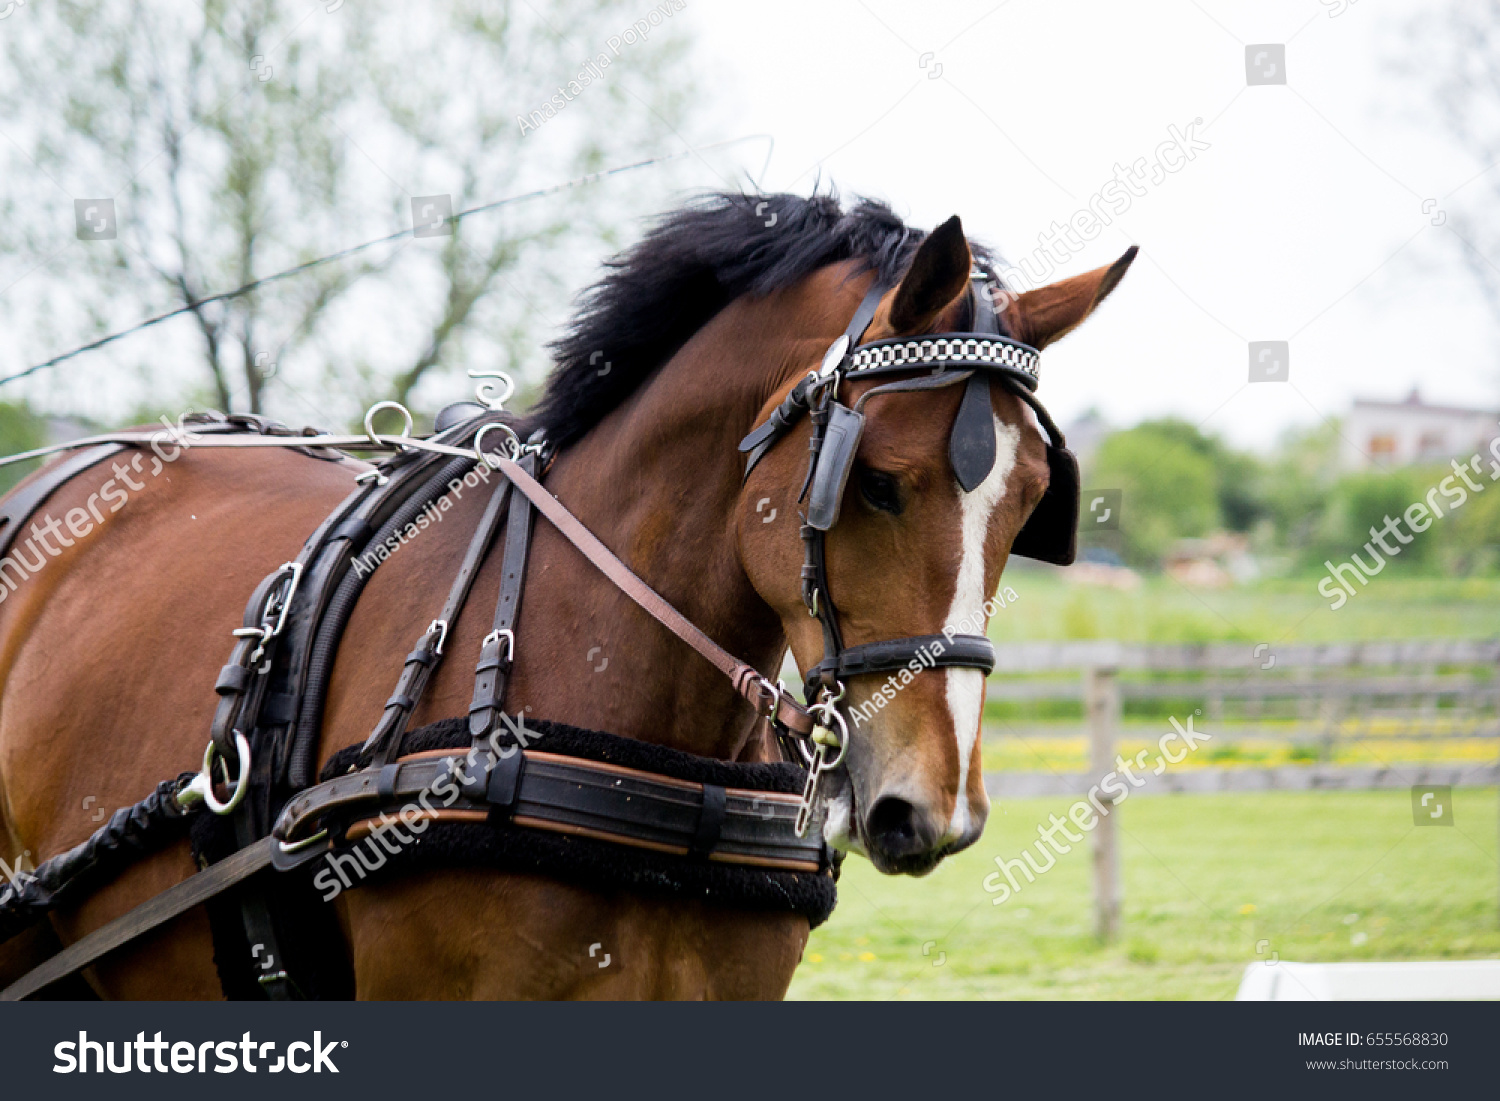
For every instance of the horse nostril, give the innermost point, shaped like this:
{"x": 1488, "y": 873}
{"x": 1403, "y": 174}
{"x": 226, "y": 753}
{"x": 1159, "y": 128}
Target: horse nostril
{"x": 895, "y": 827}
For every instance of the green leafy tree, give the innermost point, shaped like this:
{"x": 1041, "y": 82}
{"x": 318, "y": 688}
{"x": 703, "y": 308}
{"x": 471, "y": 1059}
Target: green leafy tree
{"x": 1171, "y": 488}
{"x": 1237, "y": 475}
{"x": 1361, "y": 501}
{"x": 20, "y": 430}
{"x": 1472, "y": 543}
{"x": 1297, "y": 486}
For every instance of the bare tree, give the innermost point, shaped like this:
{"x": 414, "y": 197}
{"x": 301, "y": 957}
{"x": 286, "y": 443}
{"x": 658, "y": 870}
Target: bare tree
{"x": 1458, "y": 52}
{"x": 157, "y": 151}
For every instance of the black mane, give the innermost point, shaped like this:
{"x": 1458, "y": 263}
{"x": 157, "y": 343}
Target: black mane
{"x": 691, "y": 265}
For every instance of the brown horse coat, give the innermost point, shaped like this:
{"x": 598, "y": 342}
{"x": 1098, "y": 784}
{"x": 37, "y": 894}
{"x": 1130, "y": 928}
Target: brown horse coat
{"x": 109, "y": 652}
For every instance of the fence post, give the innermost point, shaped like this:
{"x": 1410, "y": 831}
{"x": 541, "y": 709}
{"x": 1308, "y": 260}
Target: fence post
{"x": 1101, "y": 695}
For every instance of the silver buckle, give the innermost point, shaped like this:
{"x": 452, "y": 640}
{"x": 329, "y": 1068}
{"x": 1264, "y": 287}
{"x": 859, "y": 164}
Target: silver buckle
{"x": 508, "y": 636}
{"x": 268, "y": 630}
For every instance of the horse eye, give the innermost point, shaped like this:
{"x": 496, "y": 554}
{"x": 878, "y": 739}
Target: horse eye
{"x": 881, "y": 490}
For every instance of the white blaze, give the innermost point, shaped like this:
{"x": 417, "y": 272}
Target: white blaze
{"x": 966, "y": 686}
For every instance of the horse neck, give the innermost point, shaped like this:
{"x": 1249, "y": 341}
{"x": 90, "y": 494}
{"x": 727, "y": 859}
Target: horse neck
{"x": 658, "y": 480}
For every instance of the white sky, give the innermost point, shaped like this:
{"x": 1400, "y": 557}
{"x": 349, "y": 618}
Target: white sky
{"x": 1303, "y": 222}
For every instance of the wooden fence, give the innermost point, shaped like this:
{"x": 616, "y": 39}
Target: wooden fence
{"x": 1318, "y": 696}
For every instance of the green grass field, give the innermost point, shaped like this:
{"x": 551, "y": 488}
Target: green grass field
{"x": 1282, "y": 610}
{"x": 1317, "y": 876}
{"x": 1313, "y": 876}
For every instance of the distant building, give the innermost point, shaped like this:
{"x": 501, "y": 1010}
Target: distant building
{"x": 1398, "y": 433}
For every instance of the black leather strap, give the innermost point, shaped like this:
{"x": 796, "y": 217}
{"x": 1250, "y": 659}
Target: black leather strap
{"x": 971, "y": 443}
{"x": 498, "y": 653}
{"x": 18, "y": 505}
{"x": 574, "y": 795}
{"x": 792, "y": 409}
{"x": 710, "y": 820}
{"x": 865, "y": 313}
{"x": 385, "y": 741}
{"x": 928, "y": 651}
{"x": 130, "y": 834}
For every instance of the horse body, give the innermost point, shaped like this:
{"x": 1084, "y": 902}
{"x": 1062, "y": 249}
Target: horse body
{"x": 658, "y": 480}
{"x": 103, "y": 696}
{"x": 108, "y": 655}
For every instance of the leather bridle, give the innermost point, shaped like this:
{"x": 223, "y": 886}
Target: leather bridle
{"x": 973, "y": 359}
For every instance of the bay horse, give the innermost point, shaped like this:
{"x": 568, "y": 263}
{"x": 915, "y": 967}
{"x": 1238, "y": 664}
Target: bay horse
{"x": 108, "y": 653}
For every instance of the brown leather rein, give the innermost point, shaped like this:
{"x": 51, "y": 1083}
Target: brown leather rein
{"x": 767, "y": 698}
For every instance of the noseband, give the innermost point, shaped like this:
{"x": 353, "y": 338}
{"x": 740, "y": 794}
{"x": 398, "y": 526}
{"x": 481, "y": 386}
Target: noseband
{"x": 974, "y": 359}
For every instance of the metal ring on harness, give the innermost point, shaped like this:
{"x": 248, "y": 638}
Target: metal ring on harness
{"x": 376, "y": 408}
{"x": 201, "y": 786}
{"x": 516, "y": 446}
{"x": 827, "y": 714}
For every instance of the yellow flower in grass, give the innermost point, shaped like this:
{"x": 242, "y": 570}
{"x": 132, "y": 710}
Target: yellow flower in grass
{"x": 1248, "y": 908}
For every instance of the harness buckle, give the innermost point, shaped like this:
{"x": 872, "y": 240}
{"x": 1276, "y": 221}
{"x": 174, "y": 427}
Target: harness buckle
{"x": 771, "y": 696}
{"x": 514, "y": 451}
{"x": 834, "y": 357}
{"x": 273, "y": 615}
{"x": 441, "y": 627}
{"x": 505, "y": 635}
{"x": 283, "y": 601}
{"x": 406, "y": 424}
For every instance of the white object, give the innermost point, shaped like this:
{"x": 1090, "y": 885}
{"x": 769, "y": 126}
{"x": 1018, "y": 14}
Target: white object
{"x": 1445, "y": 980}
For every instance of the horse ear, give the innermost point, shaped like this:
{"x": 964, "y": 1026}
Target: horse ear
{"x": 938, "y": 274}
{"x": 1041, "y": 316}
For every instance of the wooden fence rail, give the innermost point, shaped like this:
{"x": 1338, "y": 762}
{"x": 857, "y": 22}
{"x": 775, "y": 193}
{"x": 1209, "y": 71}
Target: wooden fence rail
{"x": 1421, "y": 689}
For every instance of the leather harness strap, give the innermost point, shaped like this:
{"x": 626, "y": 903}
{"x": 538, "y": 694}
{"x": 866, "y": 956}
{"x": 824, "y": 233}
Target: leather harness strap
{"x": 385, "y": 741}
{"x": 967, "y": 651}
{"x": 498, "y": 651}
{"x": 17, "y": 507}
{"x": 747, "y": 680}
{"x": 565, "y": 794}
{"x": 150, "y": 914}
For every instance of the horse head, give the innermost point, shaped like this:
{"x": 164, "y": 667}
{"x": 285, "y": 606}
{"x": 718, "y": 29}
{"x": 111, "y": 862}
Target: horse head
{"x": 913, "y": 552}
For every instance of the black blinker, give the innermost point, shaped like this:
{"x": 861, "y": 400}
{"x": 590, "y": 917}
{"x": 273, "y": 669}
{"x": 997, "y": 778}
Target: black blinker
{"x": 840, "y": 441}
{"x": 971, "y": 447}
{"x": 1051, "y": 532}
